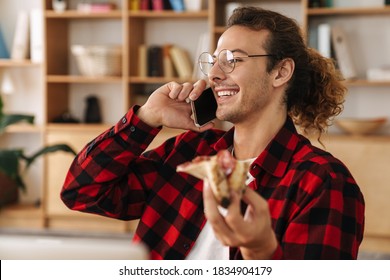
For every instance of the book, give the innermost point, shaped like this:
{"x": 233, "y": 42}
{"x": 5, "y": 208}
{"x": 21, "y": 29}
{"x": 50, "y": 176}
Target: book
{"x": 177, "y": 5}
{"x": 134, "y": 5}
{"x": 315, "y": 3}
{"x": 144, "y": 5}
{"x": 193, "y": 5}
{"x": 36, "y": 35}
{"x": 3, "y": 48}
{"x": 320, "y": 3}
{"x": 342, "y": 53}
{"x": 142, "y": 60}
{"x": 168, "y": 68}
{"x": 313, "y": 37}
{"x": 181, "y": 62}
{"x": 20, "y": 45}
{"x": 155, "y": 61}
{"x": 324, "y": 40}
{"x": 158, "y": 5}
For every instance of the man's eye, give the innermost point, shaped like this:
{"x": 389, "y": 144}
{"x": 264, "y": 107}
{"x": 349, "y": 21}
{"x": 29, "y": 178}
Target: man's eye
{"x": 232, "y": 61}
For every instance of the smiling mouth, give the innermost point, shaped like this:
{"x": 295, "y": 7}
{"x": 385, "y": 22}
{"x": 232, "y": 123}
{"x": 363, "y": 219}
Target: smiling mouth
{"x": 224, "y": 93}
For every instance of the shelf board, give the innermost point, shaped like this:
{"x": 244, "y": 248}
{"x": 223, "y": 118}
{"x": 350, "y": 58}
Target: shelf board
{"x": 24, "y": 128}
{"x": 17, "y": 63}
{"x": 27, "y": 210}
{"x": 157, "y": 80}
{"x": 21, "y": 216}
{"x": 367, "y": 83}
{"x": 73, "y": 14}
{"x": 348, "y": 11}
{"x": 367, "y": 137}
{"x": 77, "y": 127}
{"x": 82, "y": 79}
{"x": 168, "y": 14}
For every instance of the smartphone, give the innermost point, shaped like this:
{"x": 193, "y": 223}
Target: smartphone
{"x": 204, "y": 108}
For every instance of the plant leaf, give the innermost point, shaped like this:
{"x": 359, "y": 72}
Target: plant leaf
{"x": 46, "y": 150}
{"x": 6, "y": 120}
{"x": 1, "y": 107}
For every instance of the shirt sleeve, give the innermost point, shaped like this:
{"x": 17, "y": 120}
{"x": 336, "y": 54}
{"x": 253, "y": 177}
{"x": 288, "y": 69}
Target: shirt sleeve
{"x": 104, "y": 179}
{"x": 329, "y": 222}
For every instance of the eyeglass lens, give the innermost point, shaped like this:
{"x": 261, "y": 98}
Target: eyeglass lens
{"x": 226, "y": 61}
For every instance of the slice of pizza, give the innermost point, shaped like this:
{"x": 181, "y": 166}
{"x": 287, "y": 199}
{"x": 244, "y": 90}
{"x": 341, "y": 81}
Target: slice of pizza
{"x": 223, "y": 172}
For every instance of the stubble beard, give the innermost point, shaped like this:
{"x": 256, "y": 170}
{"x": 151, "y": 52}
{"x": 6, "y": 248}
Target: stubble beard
{"x": 249, "y": 105}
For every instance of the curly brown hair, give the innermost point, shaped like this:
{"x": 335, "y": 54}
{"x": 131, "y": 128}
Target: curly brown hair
{"x": 315, "y": 93}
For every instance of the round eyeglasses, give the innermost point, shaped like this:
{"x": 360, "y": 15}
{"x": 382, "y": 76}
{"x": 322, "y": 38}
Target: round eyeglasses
{"x": 226, "y": 60}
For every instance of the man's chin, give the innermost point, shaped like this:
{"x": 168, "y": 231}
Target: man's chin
{"x": 223, "y": 115}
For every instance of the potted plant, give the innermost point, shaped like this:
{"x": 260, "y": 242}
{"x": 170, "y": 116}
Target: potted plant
{"x": 11, "y": 160}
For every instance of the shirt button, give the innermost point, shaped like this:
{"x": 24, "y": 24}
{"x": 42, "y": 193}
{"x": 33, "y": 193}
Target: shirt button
{"x": 124, "y": 120}
{"x": 132, "y": 128}
{"x": 186, "y": 246}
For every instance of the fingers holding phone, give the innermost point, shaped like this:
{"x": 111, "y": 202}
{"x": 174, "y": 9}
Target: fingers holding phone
{"x": 202, "y": 101}
{"x": 167, "y": 106}
{"x": 204, "y": 108}
{"x": 180, "y": 92}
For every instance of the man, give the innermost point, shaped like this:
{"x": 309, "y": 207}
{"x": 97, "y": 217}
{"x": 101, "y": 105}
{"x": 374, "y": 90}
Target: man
{"x": 301, "y": 203}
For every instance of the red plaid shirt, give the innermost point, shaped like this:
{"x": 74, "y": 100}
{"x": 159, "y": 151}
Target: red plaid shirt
{"x": 316, "y": 207}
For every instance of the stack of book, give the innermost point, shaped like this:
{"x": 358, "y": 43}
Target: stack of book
{"x": 332, "y": 42}
{"x": 164, "y": 61}
{"x": 320, "y": 3}
{"x": 161, "y": 5}
{"x": 27, "y": 41}
{"x": 3, "y": 47}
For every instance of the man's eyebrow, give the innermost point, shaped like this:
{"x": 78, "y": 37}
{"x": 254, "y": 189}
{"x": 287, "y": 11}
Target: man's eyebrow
{"x": 239, "y": 51}
{"x": 233, "y": 51}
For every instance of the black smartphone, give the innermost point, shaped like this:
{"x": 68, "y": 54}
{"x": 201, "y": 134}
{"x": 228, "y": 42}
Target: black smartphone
{"x": 204, "y": 108}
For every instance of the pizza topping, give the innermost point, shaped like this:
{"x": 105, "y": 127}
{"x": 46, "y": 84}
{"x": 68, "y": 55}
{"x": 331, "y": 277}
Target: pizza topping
{"x": 223, "y": 172}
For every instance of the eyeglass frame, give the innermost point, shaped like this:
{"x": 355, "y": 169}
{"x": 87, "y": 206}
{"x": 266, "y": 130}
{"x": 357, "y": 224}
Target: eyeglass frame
{"x": 216, "y": 57}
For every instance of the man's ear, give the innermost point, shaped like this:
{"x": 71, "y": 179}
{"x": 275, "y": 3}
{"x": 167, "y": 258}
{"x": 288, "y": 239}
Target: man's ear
{"x": 284, "y": 72}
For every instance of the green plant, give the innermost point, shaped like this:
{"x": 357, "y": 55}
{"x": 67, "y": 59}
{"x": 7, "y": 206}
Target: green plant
{"x": 10, "y": 159}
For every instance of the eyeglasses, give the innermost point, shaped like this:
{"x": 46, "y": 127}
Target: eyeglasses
{"x": 226, "y": 60}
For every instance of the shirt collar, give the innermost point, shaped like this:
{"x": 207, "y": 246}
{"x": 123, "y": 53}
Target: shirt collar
{"x": 278, "y": 153}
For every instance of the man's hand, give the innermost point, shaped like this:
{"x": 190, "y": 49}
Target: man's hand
{"x": 167, "y": 106}
{"x": 252, "y": 232}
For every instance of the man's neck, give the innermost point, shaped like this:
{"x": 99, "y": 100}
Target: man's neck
{"x": 251, "y": 138}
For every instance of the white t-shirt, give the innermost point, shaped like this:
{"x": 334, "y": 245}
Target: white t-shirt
{"x": 207, "y": 246}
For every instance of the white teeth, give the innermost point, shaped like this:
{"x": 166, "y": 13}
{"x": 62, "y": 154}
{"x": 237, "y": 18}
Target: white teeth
{"x": 226, "y": 93}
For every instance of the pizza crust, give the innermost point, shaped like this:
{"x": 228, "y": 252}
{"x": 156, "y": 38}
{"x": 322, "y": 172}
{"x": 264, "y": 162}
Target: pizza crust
{"x": 223, "y": 172}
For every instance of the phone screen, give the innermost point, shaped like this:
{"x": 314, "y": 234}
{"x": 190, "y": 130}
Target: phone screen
{"x": 204, "y": 108}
